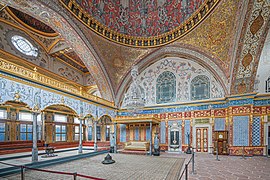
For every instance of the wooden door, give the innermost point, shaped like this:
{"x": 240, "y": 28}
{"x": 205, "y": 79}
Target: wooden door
{"x": 202, "y": 139}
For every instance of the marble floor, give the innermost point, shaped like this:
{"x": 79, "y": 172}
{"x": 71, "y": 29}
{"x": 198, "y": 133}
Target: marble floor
{"x": 166, "y": 166}
{"x": 230, "y": 168}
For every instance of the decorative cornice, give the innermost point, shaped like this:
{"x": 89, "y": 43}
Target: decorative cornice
{"x": 140, "y": 42}
{"x": 39, "y": 78}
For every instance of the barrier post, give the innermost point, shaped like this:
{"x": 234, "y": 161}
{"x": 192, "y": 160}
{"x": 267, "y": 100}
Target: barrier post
{"x": 217, "y": 152}
{"x": 243, "y": 152}
{"x": 75, "y": 176}
{"x": 186, "y": 167}
{"x": 22, "y": 173}
{"x": 193, "y": 162}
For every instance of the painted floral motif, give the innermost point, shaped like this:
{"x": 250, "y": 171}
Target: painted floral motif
{"x": 141, "y": 18}
{"x": 184, "y": 71}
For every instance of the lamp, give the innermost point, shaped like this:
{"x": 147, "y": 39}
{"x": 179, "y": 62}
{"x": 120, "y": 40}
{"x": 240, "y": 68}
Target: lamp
{"x": 134, "y": 97}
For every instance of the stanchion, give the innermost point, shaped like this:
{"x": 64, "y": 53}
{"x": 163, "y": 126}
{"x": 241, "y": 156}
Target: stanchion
{"x": 193, "y": 162}
{"x": 22, "y": 173}
{"x": 75, "y": 175}
{"x": 217, "y": 152}
{"x": 186, "y": 167}
{"x": 243, "y": 153}
{"x": 267, "y": 154}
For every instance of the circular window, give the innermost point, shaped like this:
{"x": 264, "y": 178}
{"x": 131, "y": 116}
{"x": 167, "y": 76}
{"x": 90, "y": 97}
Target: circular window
{"x": 24, "y": 46}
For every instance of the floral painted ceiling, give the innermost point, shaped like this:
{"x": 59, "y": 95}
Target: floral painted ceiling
{"x": 144, "y": 23}
{"x": 140, "y": 18}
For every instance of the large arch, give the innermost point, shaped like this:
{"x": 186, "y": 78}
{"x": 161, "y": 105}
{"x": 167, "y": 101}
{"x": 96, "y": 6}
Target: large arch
{"x": 38, "y": 10}
{"x": 177, "y": 51}
{"x": 249, "y": 47}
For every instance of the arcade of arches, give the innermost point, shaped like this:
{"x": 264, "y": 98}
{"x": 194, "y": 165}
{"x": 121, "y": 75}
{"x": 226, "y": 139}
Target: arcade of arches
{"x": 203, "y": 72}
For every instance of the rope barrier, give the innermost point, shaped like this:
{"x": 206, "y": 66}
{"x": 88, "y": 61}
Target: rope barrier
{"x": 50, "y": 171}
{"x": 186, "y": 167}
{"x": 11, "y": 164}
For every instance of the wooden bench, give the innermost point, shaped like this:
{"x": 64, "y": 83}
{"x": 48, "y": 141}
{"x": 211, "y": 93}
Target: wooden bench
{"x": 9, "y": 147}
{"x": 137, "y": 145}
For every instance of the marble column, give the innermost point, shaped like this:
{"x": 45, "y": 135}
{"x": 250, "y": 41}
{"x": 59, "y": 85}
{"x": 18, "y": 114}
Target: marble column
{"x": 35, "y": 149}
{"x": 80, "y": 136}
{"x": 150, "y": 149}
{"x": 115, "y": 137}
{"x": 95, "y": 137}
{"x": 43, "y": 126}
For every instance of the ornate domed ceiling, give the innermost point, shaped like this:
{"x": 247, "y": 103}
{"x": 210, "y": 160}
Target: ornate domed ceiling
{"x": 144, "y": 23}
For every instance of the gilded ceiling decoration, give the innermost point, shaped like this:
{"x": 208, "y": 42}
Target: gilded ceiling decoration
{"x": 31, "y": 22}
{"x": 140, "y": 23}
{"x": 47, "y": 42}
{"x": 117, "y": 59}
{"x": 216, "y": 34}
{"x": 72, "y": 59}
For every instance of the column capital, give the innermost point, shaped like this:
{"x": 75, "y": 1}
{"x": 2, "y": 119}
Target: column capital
{"x": 36, "y": 109}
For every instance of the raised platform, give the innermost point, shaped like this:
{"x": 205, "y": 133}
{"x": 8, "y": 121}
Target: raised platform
{"x": 122, "y": 151}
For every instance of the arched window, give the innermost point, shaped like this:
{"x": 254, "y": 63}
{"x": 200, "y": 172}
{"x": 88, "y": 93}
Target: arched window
{"x": 24, "y": 46}
{"x": 166, "y": 88}
{"x": 200, "y": 88}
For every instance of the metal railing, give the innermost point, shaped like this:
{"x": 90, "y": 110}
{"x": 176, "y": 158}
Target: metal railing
{"x": 185, "y": 170}
{"x": 75, "y": 174}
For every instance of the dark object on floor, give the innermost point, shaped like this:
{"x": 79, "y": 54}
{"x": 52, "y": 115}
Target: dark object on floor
{"x": 108, "y": 160}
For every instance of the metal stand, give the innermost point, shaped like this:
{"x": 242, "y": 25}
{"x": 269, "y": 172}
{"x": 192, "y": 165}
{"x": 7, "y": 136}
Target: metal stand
{"x": 266, "y": 151}
{"x": 188, "y": 149}
{"x": 75, "y": 176}
{"x": 22, "y": 173}
{"x": 186, "y": 166}
{"x": 243, "y": 153}
{"x": 193, "y": 162}
{"x": 217, "y": 152}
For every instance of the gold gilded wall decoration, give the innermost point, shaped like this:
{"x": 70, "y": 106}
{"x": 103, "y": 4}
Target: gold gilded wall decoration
{"x": 215, "y": 35}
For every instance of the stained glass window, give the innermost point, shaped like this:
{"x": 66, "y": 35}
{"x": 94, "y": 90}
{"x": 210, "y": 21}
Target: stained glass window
{"x": 60, "y": 133}
{"x": 267, "y": 85}
{"x": 90, "y": 130}
{"x": 76, "y": 120}
{"x": 77, "y": 133}
{"x": 166, "y": 88}
{"x": 60, "y": 118}
{"x": 25, "y": 116}
{"x": 26, "y": 132}
{"x": 200, "y": 88}
{"x": 24, "y": 46}
{"x": 98, "y": 133}
{"x": 3, "y": 114}
{"x": 2, "y": 131}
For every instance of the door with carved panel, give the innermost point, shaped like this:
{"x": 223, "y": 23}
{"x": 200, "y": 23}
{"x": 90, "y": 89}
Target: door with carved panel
{"x": 202, "y": 139}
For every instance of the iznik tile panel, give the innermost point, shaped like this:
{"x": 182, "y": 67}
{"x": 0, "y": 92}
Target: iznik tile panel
{"x": 123, "y": 133}
{"x": 240, "y": 130}
{"x": 148, "y": 134}
{"x": 219, "y": 124}
{"x": 163, "y": 132}
{"x": 256, "y": 131}
{"x": 187, "y": 131}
